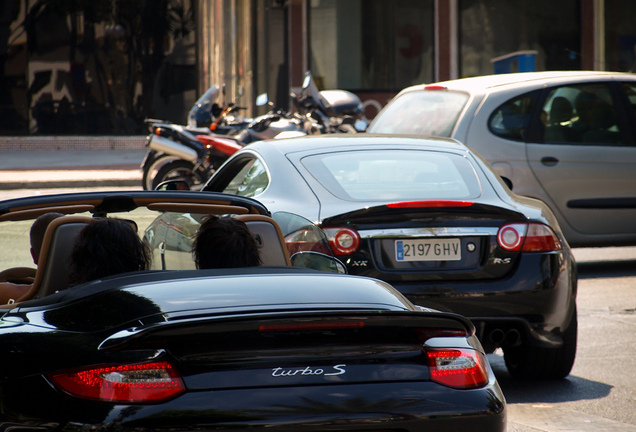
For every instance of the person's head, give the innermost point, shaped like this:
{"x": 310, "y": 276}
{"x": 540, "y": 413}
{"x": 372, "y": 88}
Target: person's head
{"x": 224, "y": 242}
{"x": 107, "y": 247}
{"x": 37, "y": 232}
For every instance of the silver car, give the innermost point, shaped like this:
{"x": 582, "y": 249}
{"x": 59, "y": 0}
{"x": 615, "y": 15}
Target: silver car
{"x": 567, "y": 138}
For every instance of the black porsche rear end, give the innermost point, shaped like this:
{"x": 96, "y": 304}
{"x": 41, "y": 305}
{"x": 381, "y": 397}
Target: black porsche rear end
{"x": 287, "y": 351}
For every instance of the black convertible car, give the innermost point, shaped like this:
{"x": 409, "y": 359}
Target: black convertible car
{"x": 430, "y": 217}
{"x": 277, "y": 347}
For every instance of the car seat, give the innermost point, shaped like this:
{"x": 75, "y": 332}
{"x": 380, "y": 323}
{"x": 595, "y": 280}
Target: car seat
{"x": 269, "y": 237}
{"x": 602, "y": 121}
{"x": 53, "y": 263}
{"x": 561, "y": 111}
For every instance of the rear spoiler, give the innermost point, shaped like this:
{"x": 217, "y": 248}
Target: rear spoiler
{"x": 157, "y": 328}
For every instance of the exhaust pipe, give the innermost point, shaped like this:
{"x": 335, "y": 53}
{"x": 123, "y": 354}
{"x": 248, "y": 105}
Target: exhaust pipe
{"x": 497, "y": 337}
{"x": 171, "y": 147}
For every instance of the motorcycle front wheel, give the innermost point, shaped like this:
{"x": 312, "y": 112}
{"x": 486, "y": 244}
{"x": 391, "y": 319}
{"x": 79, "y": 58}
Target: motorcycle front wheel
{"x": 152, "y": 165}
{"x": 178, "y": 170}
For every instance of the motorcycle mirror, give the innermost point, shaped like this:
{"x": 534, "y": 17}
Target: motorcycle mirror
{"x": 307, "y": 81}
{"x": 360, "y": 125}
{"x": 262, "y": 99}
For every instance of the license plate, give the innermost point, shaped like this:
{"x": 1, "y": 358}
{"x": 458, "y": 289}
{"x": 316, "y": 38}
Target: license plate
{"x": 428, "y": 250}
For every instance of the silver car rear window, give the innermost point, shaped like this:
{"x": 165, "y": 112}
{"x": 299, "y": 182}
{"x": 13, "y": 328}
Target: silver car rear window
{"x": 395, "y": 175}
{"x": 428, "y": 112}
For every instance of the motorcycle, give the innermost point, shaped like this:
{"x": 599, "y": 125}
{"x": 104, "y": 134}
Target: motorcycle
{"x": 213, "y": 134}
{"x": 175, "y": 151}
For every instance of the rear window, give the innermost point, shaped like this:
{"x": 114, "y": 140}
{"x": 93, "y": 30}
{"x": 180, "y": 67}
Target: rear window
{"x": 429, "y": 112}
{"x": 394, "y": 175}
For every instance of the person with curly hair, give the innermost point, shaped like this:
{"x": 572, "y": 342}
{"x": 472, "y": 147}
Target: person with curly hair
{"x": 224, "y": 242}
{"x": 107, "y": 247}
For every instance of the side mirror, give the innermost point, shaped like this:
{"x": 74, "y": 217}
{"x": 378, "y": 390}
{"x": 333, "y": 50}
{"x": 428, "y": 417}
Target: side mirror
{"x": 318, "y": 261}
{"x": 262, "y": 100}
{"x": 173, "y": 185}
{"x": 307, "y": 80}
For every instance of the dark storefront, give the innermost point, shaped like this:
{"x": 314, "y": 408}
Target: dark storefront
{"x": 71, "y": 67}
{"x": 94, "y": 67}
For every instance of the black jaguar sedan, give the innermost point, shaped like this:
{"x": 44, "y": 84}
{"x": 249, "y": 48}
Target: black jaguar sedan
{"x": 278, "y": 348}
{"x": 429, "y": 216}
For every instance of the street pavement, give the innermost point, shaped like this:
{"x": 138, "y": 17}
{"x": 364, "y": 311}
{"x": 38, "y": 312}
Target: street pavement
{"x": 48, "y": 169}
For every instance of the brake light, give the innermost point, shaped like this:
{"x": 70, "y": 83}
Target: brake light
{"x": 435, "y": 87}
{"x": 306, "y": 240}
{"x": 457, "y": 368}
{"x": 140, "y": 383}
{"x": 343, "y": 241}
{"x": 531, "y": 237}
{"x": 432, "y": 204}
{"x": 334, "y": 325}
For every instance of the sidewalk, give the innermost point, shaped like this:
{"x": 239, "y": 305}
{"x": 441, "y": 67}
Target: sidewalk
{"x": 37, "y": 169}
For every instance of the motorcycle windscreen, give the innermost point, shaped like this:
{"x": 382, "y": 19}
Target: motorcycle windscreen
{"x": 201, "y": 111}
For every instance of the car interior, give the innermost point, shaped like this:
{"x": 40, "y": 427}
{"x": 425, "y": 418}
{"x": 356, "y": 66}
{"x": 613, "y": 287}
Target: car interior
{"x": 51, "y": 274}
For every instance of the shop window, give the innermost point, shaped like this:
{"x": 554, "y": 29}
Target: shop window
{"x": 493, "y": 28}
{"x": 95, "y": 68}
{"x": 372, "y": 45}
{"x": 620, "y": 35}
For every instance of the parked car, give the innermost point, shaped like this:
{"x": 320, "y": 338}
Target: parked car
{"x": 430, "y": 217}
{"x": 274, "y": 347}
{"x": 567, "y": 138}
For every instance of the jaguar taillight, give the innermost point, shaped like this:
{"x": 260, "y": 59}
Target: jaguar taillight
{"x": 310, "y": 239}
{"x": 343, "y": 241}
{"x": 457, "y": 368}
{"x": 528, "y": 237}
{"x": 138, "y": 383}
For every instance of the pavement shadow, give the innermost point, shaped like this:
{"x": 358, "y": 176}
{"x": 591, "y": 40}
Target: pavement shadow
{"x": 569, "y": 389}
{"x": 606, "y": 269}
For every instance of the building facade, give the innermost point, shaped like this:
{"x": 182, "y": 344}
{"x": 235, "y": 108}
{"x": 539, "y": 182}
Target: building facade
{"x": 102, "y": 67}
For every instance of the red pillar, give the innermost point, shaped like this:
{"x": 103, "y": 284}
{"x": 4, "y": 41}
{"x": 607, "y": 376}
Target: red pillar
{"x": 296, "y": 42}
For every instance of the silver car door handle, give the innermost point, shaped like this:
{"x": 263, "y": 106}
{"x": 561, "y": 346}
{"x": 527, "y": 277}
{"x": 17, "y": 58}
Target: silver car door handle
{"x": 549, "y": 161}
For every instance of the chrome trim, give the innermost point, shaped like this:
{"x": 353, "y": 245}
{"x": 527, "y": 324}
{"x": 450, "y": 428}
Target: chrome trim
{"x": 428, "y": 232}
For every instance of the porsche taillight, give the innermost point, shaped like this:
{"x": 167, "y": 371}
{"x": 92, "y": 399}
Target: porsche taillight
{"x": 457, "y": 368}
{"x": 139, "y": 383}
{"x": 343, "y": 241}
{"x": 528, "y": 237}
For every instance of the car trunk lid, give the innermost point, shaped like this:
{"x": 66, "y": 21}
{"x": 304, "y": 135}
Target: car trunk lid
{"x": 428, "y": 240}
{"x": 302, "y": 348}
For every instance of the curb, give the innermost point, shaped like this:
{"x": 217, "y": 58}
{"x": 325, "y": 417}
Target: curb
{"x": 53, "y": 143}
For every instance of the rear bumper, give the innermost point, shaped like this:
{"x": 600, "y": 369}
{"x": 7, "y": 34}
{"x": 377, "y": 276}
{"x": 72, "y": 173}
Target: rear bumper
{"x": 537, "y": 298}
{"x": 410, "y": 406}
